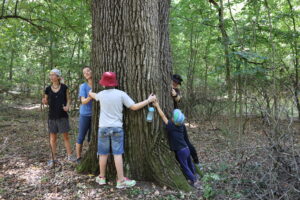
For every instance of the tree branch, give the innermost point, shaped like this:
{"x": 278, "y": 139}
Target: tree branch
{"x": 252, "y": 62}
{"x": 22, "y": 18}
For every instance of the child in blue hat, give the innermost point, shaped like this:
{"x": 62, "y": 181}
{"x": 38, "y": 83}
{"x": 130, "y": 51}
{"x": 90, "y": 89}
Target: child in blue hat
{"x": 176, "y": 96}
{"x": 175, "y": 129}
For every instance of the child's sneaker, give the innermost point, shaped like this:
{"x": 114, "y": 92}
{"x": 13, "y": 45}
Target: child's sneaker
{"x": 197, "y": 185}
{"x": 51, "y": 163}
{"x": 100, "y": 180}
{"x": 71, "y": 158}
{"x": 78, "y": 160}
{"x": 200, "y": 167}
{"x": 125, "y": 183}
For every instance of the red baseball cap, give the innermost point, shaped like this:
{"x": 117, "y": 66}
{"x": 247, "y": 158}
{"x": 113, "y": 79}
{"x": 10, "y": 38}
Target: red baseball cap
{"x": 109, "y": 79}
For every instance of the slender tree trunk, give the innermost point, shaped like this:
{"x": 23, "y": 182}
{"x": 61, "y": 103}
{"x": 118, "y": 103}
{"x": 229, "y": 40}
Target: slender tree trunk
{"x": 2, "y": 10}
{"x": 239, "y": 82}
{"x": 131, "y": 38}
{"x": 240, "y": 92}
{"x": 190, "y": 75}
{"x": 225, "y": 42}
{"x": 296, "y": 61}
{"x": 51, "y": 42}
{"x": 42, "y": 63}
{"x": 274, "y": 92}
{"x": 11, "y": 64}
{"x": 205, "y": 58}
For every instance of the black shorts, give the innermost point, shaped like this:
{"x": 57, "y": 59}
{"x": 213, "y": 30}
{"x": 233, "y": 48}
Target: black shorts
{"x": 58, "y": 125}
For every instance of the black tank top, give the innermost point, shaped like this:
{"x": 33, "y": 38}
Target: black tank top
{"x": 56, "y": 101}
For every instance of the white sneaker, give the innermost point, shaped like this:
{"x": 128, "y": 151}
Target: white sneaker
{"x": 100, "y": 180}
{"x": 125, "y": 183}
{"x": 71, "y": 158}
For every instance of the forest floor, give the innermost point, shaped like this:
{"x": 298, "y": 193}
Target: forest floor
{"x": 24, "y": 151}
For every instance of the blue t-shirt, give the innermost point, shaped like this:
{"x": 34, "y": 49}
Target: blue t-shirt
{"x": 176, "y": 136}
{"x": 85, "y": 109}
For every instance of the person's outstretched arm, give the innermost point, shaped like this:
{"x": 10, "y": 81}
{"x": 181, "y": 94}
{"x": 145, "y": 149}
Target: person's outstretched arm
{"x": 82, "y": 94}
{"x": 85, "y": 100}
{"x": 92, "y": 94}
{"x": 68, "y": 106}
{"x": 142, "y": 104}
{"x": 160, "y": 112}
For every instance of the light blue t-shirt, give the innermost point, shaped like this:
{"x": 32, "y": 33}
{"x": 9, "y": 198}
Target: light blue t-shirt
{"x": 111, "y": 107}
{"x": 85, "y": 109}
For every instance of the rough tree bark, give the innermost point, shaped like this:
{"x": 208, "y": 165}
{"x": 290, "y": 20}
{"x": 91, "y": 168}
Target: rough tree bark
{"x": 131, "y": 38}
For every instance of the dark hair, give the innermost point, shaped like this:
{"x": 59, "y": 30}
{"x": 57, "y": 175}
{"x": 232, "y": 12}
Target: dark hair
{"x": 86, "y": 66}
{"x": 177, "y": 79}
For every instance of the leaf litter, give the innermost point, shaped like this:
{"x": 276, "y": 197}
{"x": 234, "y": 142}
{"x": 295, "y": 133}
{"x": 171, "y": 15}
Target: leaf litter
{"x": 24, "y": 174}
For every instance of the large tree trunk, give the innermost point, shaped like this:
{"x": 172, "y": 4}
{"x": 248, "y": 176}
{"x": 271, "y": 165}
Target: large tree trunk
{"x": 131, "y": 38}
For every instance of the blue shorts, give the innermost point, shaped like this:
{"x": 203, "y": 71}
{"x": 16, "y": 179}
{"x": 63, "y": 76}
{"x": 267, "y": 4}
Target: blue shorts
{"x": 110, "y": 138}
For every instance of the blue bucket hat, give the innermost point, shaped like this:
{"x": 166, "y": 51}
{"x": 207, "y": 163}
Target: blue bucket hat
{"x": 178, "y": 117}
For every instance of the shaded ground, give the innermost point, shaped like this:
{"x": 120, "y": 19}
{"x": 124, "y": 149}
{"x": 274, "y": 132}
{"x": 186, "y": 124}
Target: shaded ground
{"x": 24, "y": 152}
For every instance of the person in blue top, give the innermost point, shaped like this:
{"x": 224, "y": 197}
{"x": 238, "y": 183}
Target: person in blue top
{"x": 85, "y": 112}
{"x": 177, "y": 140}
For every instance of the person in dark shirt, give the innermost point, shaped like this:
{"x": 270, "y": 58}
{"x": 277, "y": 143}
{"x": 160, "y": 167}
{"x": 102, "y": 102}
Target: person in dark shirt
{"x": 175, "y": 93}
{"x": 176, "y": 137}
{"x": 58, "y": 98}
{"x": 176, "y": 82}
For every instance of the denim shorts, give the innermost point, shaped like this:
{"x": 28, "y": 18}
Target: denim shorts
{"x": 110, "y": 138}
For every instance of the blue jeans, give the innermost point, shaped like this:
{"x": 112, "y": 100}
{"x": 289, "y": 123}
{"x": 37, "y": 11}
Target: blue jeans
{"x": 186, "y": 164}
{"x": 110, "y": 138}
{"x": 84, "y": 128}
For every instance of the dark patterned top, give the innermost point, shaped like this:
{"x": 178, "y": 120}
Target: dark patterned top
{"x": 56, "y": 101}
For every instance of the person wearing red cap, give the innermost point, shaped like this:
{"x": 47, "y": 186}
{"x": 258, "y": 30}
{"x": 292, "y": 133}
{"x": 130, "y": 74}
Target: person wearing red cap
{"x": 111, "y": 133}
